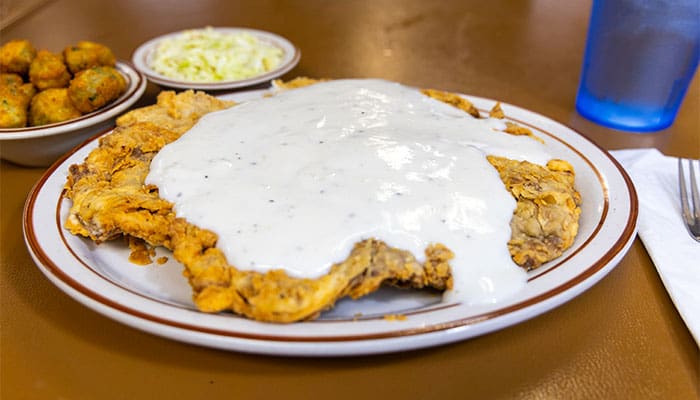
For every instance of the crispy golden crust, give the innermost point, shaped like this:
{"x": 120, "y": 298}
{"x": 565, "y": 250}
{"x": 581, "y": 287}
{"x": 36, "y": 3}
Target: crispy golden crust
{"x": 497, "y": 111}
{"x": 277, "y": 297}
{"x": 94, "y": 87}
{"x": 10, "y": 79}
{"x": 110, "y": 199}
{"x": 44, "y": 70}
{"x": 86, "y": 54}
{"x": 13, "y": 114}
{"x": 108, "y": 192}
{"x": 47, "y": 70}
{"x": 16, "y": 56}
{"x": 454, "y": 100}
{"x": 140, "y": 252}
{"x": 175, "y": 112}
{"x": 294, "y": 83}
{"x": 51, "y": 106}
{"x": 15, "y": 97}
{"x": 545, "y": 221}
{"x": 512, "y": 128}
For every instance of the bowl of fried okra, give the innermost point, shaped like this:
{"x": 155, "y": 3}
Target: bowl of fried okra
{"x": 51, "y": 102}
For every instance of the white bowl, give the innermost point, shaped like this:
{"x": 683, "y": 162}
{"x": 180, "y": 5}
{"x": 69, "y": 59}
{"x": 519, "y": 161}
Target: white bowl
{"x": 144, "y": 54}
{"x": 40, "y": 146}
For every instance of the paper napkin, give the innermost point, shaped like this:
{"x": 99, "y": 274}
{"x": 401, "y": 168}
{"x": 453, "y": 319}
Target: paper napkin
{"x": 674, "y": 253}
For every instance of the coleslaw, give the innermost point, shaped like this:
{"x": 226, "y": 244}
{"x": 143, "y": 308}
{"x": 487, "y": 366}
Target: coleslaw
{"x": 208, "y": 55}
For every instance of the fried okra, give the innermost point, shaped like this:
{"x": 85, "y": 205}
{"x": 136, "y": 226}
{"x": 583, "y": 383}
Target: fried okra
{"x": 93, "y": 88}
{"x": 12, "y": 113}
{"x": 16, "y": 56}
{"x": 15, "y": 96}
{"x": 11, "y": 79}
{"x": 51, "y": 106}
{"x": 48, "y": 71}
{"x": 86, "y": 54}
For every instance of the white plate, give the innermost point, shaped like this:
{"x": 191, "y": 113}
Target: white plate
{"x": 42, "y": 145}
{"x": 157, "y": 298}
{"x": 143, "y": 55}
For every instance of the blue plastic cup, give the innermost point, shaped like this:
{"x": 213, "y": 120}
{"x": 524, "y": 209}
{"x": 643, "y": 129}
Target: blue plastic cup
{"x": 640, "y": 58}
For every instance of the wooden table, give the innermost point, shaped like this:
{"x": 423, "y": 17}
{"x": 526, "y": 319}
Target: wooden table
{"x": 623, "y": 338}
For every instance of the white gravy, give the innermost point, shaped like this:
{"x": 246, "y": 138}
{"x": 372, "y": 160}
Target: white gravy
{"x": 294, "y": 180}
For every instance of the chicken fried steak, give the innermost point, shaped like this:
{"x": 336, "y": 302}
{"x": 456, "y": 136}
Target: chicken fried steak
{"x": 110, "y": 199}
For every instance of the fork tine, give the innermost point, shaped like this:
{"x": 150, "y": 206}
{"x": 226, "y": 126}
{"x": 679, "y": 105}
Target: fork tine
{"x": 692, "y": 218}
{"x": 694, "y": 191}
{"x": 684, "y": 193}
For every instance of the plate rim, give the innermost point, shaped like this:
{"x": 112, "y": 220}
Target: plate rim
{"x": 338, "y": 345}
{"x": 140, "y": 55}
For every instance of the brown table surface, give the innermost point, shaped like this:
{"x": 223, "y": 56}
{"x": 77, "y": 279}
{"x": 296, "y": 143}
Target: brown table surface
{"x": 622, "y": 338}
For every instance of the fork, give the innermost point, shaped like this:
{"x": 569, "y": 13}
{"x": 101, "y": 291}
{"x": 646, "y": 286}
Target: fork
{"x": 691, "y": 218}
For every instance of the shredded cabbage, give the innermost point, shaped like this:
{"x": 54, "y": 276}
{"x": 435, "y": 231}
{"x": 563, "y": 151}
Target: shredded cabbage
{"x": 208, "y": 55}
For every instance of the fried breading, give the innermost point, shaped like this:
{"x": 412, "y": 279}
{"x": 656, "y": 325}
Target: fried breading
{"x": 86, "y": 69}
{"x": 50, "y": 106}
{"x": 16, "y": 56}
{"x": 454, "y": 100}
{"x": 10, "y": 79}
{"x": 175, "y": 112}
{"x": 47, "y": 70}
{"x": 110, "y": 199}
{"x": 94, "y": 87}
{"x": 16, "y": 97}
{"x": 295, "y": 83}
{"x": 140, "y": 252}
{"x": 86, "y": 54}
{"x": 276, "y": 297}
{"x": 108, "y": 192}
{"x": 545, "y": 221}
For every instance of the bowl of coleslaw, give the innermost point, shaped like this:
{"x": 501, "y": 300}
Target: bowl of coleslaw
{"x": 215, "y": 58}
